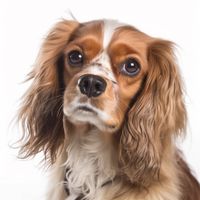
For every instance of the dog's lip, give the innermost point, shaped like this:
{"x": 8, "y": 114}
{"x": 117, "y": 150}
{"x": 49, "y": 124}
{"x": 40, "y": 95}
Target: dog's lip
{"x": 86, "y": 108}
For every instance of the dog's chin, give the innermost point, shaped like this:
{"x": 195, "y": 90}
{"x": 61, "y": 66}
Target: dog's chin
{"x": 88, "y": 115}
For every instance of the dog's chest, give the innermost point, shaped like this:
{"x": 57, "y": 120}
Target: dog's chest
{"x": 88, "y": 167}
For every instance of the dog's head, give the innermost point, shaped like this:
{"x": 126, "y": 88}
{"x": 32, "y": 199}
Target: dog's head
{"x": 109, "y": 75}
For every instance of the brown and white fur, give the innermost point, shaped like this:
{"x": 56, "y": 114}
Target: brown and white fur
{"x": 119, "y": 145}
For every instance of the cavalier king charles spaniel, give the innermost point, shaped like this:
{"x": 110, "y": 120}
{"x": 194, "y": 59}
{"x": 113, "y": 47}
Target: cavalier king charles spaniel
{"x": 105, "y": 106}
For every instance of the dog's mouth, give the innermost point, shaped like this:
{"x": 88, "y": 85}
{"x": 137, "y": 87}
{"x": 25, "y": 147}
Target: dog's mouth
{"x": 86, "y": 113}
{"x": 86, "y": 109}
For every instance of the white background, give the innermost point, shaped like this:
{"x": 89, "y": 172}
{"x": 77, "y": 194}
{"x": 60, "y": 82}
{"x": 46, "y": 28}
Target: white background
{"x": 23, "y": 25}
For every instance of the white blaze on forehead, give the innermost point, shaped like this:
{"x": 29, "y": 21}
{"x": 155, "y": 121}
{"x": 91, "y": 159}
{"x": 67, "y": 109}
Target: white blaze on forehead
{"x": 109, "y": 29}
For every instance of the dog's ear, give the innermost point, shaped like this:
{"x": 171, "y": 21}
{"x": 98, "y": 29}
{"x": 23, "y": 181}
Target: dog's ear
{"x": 41, "y": 110}
{"x": 157, "y": 114}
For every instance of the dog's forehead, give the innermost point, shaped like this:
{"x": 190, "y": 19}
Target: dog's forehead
{"x": 103, "y": 30}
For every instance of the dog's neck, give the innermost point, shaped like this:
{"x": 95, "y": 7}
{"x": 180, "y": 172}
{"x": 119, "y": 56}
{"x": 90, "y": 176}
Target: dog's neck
{"x": 90, "y": 163}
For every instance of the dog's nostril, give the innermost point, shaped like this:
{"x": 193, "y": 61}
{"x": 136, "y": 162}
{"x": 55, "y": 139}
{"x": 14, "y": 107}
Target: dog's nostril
{"x": 85, "y": 85}
{"x": 92, "y": 85}
{"x": 98, "y": 86}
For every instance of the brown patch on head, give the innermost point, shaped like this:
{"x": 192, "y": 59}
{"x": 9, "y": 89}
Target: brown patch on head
{"x": 87, "y": 39}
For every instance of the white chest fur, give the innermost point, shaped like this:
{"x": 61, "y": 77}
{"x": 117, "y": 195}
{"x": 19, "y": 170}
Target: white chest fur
{"x": 90, "y": 165}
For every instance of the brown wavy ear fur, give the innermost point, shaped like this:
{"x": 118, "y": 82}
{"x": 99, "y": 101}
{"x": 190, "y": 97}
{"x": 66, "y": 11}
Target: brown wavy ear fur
{"x": 41, "y": 111}
{"x": 157, "y": 114}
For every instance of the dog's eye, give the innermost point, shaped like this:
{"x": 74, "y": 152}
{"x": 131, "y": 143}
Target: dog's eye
{"x": 75, "y": 58}
{"x": 130, "y": 67}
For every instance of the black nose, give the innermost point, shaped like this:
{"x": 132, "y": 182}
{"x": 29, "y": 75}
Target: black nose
{"x": 92, "y": 85}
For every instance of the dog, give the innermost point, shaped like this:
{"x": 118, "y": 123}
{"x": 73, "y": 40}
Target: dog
{"x": 105, "y": 107}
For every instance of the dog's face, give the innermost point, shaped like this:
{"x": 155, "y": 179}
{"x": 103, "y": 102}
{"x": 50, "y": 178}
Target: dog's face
{"x": 104, "y": 67}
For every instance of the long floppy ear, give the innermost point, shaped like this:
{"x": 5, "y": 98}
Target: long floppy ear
{"x": 41, "y": 111}
{"x": 157, "y": 115}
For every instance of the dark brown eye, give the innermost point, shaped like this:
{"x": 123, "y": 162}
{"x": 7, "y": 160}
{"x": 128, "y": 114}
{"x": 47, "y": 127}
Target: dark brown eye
{"x": 130, "y": 67}
{"x": 75, "y": 58}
